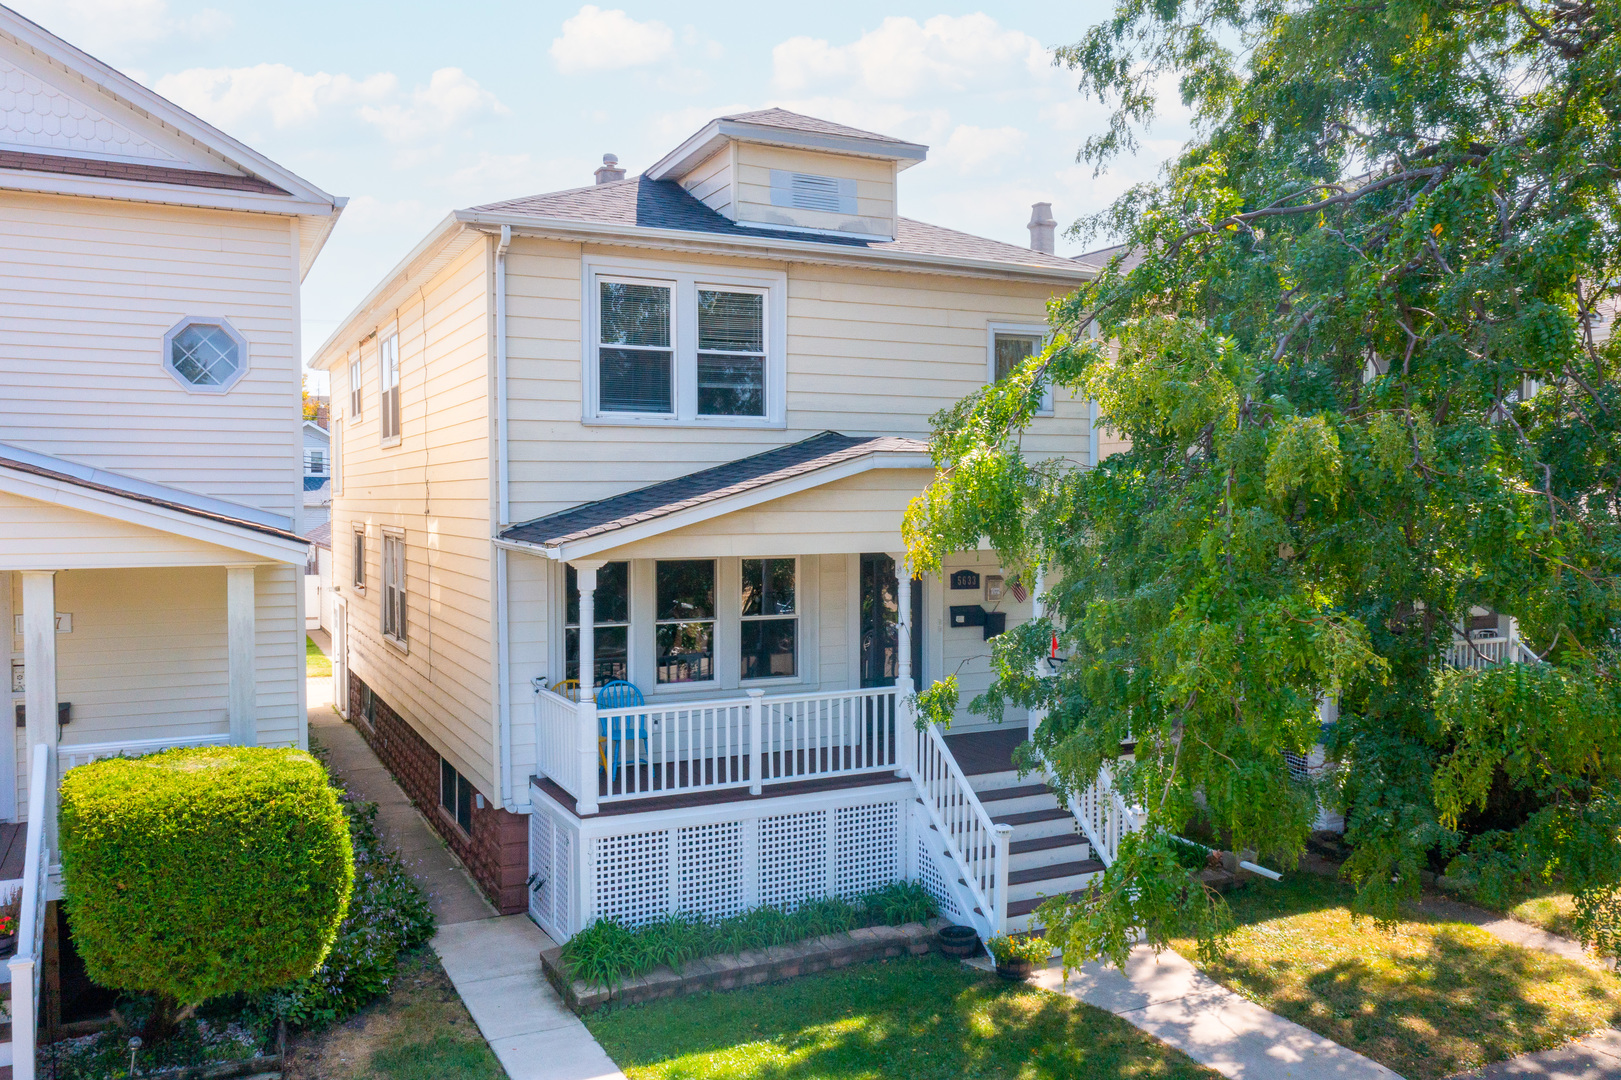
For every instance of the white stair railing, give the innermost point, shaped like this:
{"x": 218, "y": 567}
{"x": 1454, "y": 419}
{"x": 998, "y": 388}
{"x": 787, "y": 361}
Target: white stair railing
{"x": 977, "y": 846}
{"x": 26, "y": 965}
{"x": 1103, "y": 816}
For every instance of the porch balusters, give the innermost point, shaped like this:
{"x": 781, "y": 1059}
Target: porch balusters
{"x": 905, "y": 737}
{"x": 586, "y": 574}
{"x": 757, "y": 752}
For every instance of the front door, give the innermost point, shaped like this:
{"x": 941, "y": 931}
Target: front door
{"x": 880, "y": 613}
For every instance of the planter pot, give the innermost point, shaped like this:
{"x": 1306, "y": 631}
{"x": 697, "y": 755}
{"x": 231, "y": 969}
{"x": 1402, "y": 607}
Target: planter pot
{"x": 1015, "y": 970}
{"x": 8, "y": 944}
{"x": 958, "y": 942}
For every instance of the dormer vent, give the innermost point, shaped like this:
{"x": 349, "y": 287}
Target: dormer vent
{"x": 610, "y": 169}
{"x": 806, "y": 191}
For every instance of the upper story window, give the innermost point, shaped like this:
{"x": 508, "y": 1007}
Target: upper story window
{"x": 205, "y": 355}
{"x": 1011, "y": 346}
{"x": 388, "y": 386}
{"x": 355, "y": 386}
{"x": 394, "y": 588}
{"x": 357, "y": 559}
{"x": 680, "y": 345}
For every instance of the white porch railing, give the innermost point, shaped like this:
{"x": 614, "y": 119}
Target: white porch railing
{"x": 977, "y": 846}
{"x": 1103, "y": 816}
{"x": 26, "y": 965}
{"x": 557, "y": 739}
{"x": 72, "y": 755}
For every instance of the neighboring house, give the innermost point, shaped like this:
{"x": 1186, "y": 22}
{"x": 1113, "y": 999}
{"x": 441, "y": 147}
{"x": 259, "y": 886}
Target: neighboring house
{"x": 150, "y": 475}
{"x": 317, "y": 475}
{"x": 318, "y": 578}
{"x": 688, "y": 409}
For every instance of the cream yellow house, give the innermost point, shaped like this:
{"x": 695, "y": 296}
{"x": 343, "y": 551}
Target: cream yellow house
{"x": 687, "y": 410}
{"x": 150, "y": 439}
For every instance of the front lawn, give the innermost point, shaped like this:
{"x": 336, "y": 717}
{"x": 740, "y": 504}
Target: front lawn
{"x": 316, "y": 665}
{"x": 916, "y": 1018}
{"x": 1544, "y": 907}
{"x": 1426, "y": 998}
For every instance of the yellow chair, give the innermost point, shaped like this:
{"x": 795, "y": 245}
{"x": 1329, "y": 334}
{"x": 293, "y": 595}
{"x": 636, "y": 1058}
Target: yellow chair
{"x": 569, "y": 688}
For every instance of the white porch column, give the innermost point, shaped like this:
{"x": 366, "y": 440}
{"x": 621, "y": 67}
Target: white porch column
{"x": 905, "y": 726}
{"x": 586, "y": 577}
{"x": 241, "y": 632}
{"x": 39, "y": 669}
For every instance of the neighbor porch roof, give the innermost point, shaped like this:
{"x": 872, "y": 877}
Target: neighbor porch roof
{"x": 722, "y": 489}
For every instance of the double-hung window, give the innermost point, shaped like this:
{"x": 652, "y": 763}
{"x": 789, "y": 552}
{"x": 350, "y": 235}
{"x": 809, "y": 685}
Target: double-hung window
{"x": 355, "y": 386}
{"x": 684, "y": 630}
{"x": 610, "y": 657}
{"x": 394, "y": 588}
{"x": 456, "y": 796}
{"x": 675, "y": 344}
{"x": 358, "y": 559}
{"x": 1010, "y": 347}
{"x": 770, "y": 619}
{"x": 388, "y": 386}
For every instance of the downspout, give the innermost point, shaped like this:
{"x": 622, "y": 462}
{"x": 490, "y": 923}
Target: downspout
{"x": 502, "y": 674}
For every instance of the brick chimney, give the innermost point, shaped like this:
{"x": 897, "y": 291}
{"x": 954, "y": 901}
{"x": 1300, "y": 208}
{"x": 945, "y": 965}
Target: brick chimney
{"x": 1042, "y": 227}
{"x": 610, "y": 169}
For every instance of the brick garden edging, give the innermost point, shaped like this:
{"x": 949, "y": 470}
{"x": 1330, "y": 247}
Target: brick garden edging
{"x": 747, "y": 968}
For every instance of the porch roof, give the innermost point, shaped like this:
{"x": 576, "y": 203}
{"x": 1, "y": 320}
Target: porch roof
{"x": 657, "y": 508}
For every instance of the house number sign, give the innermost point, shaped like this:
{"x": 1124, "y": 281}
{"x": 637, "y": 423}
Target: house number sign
{"x": 965, "y": 579}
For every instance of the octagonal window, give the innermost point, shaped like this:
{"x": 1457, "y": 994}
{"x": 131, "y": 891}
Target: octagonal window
{"x": 205, "y": 354}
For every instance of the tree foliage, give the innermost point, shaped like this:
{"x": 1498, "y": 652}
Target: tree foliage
{"x": 1360, "y": 347}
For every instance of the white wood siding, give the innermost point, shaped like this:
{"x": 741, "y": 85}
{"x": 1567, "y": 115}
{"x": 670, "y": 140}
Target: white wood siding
{"x": 875, "y": 188}
{"x": 434, "y": 485}
{"x": 87, "y": 290}
{"x": 711, "y": 182}
{"x": 44, "y": 536}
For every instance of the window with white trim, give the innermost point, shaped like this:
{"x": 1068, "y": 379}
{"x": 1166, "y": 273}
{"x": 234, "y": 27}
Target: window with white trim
{"x": 205, "y": 354}
{"x": 357, "y": 559}
{"x": 394, "y": 588}
{"x": 770, "y": 619}
{"x": 388, "y": 386}
{"x": 610, "y": 655}
{"x": 669, "y": 344}
{"x": 356, "y": 386}
{"x": 684, "y": 626}
{"x": 1011, "y": 346}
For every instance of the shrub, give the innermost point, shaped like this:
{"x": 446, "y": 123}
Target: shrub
{"x": 201, "y": 872}
{"x": 388, "y": 915}
{"x": 607, "y": 953}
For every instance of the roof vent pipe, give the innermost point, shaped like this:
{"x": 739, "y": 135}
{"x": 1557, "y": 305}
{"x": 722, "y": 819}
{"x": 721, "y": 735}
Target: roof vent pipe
{"x": 1042, "y": 227}
{"x": 610, "y": 169}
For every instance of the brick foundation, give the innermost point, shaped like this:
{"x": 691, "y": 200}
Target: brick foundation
{"x": 497, "y": 852}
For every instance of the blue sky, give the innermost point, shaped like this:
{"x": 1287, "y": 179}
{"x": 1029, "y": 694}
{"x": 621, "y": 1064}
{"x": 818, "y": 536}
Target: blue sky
{"x": 413, "y": 108}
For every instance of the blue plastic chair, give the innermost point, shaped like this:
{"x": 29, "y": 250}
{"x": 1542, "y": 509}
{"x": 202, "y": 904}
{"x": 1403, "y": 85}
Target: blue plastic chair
{"x": 618, "y": 694}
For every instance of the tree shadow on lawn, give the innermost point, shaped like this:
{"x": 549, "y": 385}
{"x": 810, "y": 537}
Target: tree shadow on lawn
{"x": 910, "y": 1020}
{"x": 1427, "y": 998}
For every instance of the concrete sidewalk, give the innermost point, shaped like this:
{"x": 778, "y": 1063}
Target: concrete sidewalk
{"x": 493, "y": 961}
{"x": 1173, "y": 1001}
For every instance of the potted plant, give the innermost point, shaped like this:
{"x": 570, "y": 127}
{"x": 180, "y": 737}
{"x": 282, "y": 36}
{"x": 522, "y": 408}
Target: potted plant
{"x": 1017, "y": 957}
{"x": 8, "y": 933}
{"x": 958, "y": 942}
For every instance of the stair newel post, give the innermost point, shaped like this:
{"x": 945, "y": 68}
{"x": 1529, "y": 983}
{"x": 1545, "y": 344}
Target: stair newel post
{"x": 586, "y": 574}
{"x": 905, "y": 733}
{"x": 756, "y": 756}
{"x": 1004, "y": 845}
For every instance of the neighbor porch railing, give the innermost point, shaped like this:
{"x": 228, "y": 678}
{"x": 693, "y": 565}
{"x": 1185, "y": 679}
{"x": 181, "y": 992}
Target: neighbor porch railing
{"x": 642, "y": 751}
{"x": 26, "y": 966}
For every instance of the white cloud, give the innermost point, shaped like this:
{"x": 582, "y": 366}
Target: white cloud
{"x": 903, "y": 58}
{"x": 235, "y": 98}
{"x": 977, "y": 149}
{"x": 598, "y": 40}
{"x": 115, "y": 26}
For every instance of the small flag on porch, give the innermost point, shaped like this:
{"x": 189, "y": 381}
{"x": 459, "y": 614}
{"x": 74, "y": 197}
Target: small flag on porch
{"x": 1055, "y": 645}
{"x": 1016, "y": 587}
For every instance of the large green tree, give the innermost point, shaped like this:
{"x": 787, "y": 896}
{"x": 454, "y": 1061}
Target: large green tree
{"x": 1361, "y": 350}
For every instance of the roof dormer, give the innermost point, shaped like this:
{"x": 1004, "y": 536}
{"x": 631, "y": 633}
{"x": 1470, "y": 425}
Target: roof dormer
{"x": 779, "y": 170}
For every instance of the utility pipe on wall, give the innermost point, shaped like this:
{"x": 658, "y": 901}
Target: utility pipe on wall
{"x": 503, "y": 692}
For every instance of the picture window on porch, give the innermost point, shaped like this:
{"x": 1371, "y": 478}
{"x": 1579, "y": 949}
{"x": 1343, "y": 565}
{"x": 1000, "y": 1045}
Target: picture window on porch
{"x": 684, "y": 633}
{"x": 456, "y": 796}
{"x": 611, "y": 658}
{"x": 770, "y": 616}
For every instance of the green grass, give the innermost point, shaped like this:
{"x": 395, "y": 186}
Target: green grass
{"x": 1544, "y": 906}
{"x": 316, "y": 665}
{"x": 917, "y": 1018}
{"x": 1426, "y": 997}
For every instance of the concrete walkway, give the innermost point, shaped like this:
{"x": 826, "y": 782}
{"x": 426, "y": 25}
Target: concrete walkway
{"x": 1173, "y": 1001}
{"x": 493, "y": 961}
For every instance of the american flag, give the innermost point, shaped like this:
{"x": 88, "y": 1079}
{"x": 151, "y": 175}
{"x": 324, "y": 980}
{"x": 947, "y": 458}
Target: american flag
{"x": 1016, "y": 587}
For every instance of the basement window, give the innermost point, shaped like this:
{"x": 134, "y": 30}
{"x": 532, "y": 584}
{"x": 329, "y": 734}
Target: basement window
{"x": 456, "y": 796}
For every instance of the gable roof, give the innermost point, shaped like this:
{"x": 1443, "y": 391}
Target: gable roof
{"x": 783, "y": 128}
{"x": 758, "y": 478}
{"x": 792, "y": 121}
{"x": 70, "y": 124}
{"x": 642, "y": 203}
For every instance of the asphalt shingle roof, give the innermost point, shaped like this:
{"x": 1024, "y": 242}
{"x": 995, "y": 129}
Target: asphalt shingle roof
{"x": 706, "y": 485}
{"x": 665, "y": 204}
{"x": 792, "y": 121}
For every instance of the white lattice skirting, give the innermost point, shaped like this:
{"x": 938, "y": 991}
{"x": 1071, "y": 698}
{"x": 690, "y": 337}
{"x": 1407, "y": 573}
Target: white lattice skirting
{"x": 721, "y": 859}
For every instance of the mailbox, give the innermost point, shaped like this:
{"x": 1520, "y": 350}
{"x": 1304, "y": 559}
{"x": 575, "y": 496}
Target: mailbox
{"x": 995, "y": 623}
{"x": 967, "y": 615}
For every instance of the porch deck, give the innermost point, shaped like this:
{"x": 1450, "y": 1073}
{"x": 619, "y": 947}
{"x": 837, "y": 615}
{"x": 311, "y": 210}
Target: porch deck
{"x": 980, "y": 752}
{"x": 711, "y": 796}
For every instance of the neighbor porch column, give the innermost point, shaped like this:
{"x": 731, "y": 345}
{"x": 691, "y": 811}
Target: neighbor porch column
{"x": 905, "y": 728}
{"x": 586, "y": 577}
{"x": 241, "y": 637}
{"x": 39, "y": 669}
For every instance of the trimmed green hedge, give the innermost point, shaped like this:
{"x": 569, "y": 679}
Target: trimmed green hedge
{"x": 200, "y": 872}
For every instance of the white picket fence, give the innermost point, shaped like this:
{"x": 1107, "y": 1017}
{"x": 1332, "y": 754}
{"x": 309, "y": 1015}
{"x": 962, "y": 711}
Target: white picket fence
{"x": 979, "y": 847}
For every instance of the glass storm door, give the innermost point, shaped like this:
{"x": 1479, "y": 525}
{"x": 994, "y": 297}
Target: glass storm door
{"x": 880, "y": 614}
